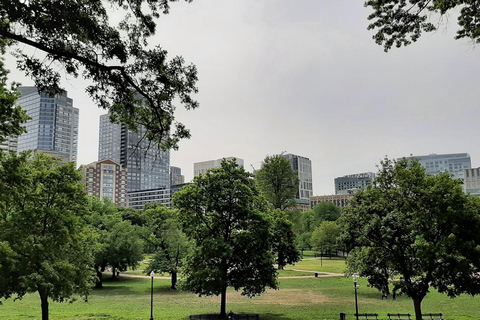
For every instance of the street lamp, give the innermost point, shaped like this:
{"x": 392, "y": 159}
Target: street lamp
{"x": 356, "y": 299}
{"x": 152, "y": 274}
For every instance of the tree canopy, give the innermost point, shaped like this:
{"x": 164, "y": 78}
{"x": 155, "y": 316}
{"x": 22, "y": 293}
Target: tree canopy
{"x": 401, "y": 22}
{"x": 283, "y": 239}
{"x": 278, "y": 182}
{"x": 44, "y": 242}
{"x": 421, "y": 229}
{"x": 136, "y": 83}
{"x": 223, "y": 214}
{"x": 11, "y": 116}
{"x": 164, "y": 238}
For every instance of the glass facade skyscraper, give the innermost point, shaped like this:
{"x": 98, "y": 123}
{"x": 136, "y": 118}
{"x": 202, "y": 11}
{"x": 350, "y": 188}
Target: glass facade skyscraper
{"x": 53, "y": 125}
{"x": 147, "y": 168}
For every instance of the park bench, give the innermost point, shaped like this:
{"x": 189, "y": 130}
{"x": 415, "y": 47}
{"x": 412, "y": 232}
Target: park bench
{"x": 399, "y": 316}
{"x": 432, "y": 316}
{"x": 367, "y": 316}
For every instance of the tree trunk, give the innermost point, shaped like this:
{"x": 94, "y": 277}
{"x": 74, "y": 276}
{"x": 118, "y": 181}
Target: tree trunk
{"x": 98, "y": 281}
{"x": 417, "y": 304}
{"x": 174, "y": 281}
{"x": 223, "y": 304}
{"x": 113, "y": 273}
{"x": 44, "y": 302}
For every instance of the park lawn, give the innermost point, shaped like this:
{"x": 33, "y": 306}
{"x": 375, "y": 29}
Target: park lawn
{"x": 299, "y": 298}
{"x": 140, "y": 270}
{"x": 293, "y": 273}
{"x": 334, "y": 265}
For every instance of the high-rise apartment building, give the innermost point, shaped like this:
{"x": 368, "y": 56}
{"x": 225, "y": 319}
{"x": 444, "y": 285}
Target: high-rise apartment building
{"x": 303, "y": 167}
{"x": 454, "y": 163}
{"x": 176, "y": 176}
{"x": 349, "y": 184}
{"x": 106, "y": 179}
{"x": 147, "y": 168}
{"x": 53, "y": 125}
{"x": 204, "y": 166}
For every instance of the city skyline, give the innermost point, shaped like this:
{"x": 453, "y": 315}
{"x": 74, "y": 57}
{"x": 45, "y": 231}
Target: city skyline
{"x": 308, "y": 79}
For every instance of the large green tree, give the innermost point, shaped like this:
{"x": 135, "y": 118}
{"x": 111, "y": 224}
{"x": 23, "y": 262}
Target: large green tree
{"x": 164, "y": 238}
{"x": 326, "y": 237}
{"x": 283, "y": 239}
{"x": 422, "y": 230}
{"x": 401, "y": 22}
{"x": 135, "y": 82}
{"x": 118, "y": 242}
{"x": 223, "y": 213}
{"x": 44, "y": 241}
{"x": 278, "y": 182}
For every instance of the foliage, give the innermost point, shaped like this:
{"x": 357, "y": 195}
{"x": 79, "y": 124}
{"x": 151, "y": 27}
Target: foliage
{"x": 223, "y": 214}
{"x": 323, "y": 211}
{"x": 137, "y": 84}
{"x": 118, "y": 242}
{"x": 326, "y": 237}
{"x": 11, "y": 116}
{"x": 283, "y": 239}
{"x": 163, "y": 235}
{"x": 401, "y": 22}
{"x": 278, "y": 182}
{"x": 420, "y": 228}
{"x": 43, "y": 238}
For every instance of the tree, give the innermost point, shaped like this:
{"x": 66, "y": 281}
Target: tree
{"x": 118, "y": 242}
{"x": 137, "y": 84}
{"x": 11, "y": 116}
{"x": 283, "y": 239}
{"x": 400, "y": 22}
{"x": 278, "y": 182}
{"x": 223, "y": 214}
{"x": 163, "y": 236}
{"x": 326, "y": 211}
{"x": 44, "y": 242}
{"x": 418, "y": 227}
{"x": 325, "y": 237}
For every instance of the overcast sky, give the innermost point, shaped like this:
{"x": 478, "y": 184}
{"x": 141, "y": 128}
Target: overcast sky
{"x": 306, "y": 77}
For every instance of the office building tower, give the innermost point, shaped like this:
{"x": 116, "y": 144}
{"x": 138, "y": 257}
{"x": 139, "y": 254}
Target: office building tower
{"x": 176, "y": 176}
{"x": 53, "y": 125}
{"x": 106, "y": 179}
{"x": 303, "y": 167}
{"x": 454, "y": 163}
{"x": 351, "y": 183}
{"x": 147, "y": 167}
{"x": 471, "y": 182}
{"x": 204, "y": 166}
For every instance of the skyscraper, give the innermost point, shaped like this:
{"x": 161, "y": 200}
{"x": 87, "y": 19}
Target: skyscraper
{"x": 147, "y": 168}
{"x": 176, "y": 176}
{"x": 303, "y": 167}
{"x": 53, "y": 125}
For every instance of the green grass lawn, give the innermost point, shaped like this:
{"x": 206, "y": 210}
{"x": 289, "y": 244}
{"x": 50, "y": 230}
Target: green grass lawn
{"x": 325, "y": 264}
{"x": 299, "y": 298}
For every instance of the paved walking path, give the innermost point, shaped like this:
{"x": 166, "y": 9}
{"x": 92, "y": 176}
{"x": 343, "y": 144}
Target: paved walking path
{"x": 321, "y": 274}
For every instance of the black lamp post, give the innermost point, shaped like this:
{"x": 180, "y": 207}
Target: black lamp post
{"x": 152, "y": 274}
{"x": 356, "y": 299}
